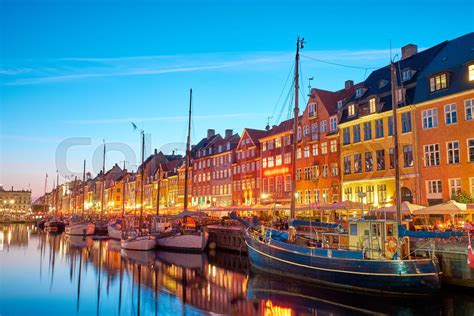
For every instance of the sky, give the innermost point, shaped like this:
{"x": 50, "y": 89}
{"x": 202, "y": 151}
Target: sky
{"x": 74, "y": 74}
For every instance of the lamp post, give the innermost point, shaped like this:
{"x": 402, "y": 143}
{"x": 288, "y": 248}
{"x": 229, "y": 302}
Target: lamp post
{"x": 361, "y": 196}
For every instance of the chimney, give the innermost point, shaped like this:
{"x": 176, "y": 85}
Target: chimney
{"x": 409, "y": 50}
{"x": 210, "y": 133}
{"x": 228, "y": 133}
{"x": 156, "y": 151}
{"x": 348, "y": 84}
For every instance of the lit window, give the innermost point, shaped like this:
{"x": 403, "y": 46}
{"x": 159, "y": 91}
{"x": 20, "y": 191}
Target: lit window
{"x": 471, "y": 72}
{"x": 333, "y": 146}
{"x": 438, "y": 82}
{"x": 351, "y": 110}
{"x": 324, "y": 148}
{"x": 372, "y": 108}
{"x": 278, "y": 142}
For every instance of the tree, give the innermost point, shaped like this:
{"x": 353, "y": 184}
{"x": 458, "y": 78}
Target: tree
{"x": 463, "y": 197}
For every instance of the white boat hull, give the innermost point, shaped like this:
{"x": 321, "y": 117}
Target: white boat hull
{"x": 139, "y": 243}
{"x": 114, "y": 233}
{"x": 184, "y": 242}
{"x": 80, "y": 229}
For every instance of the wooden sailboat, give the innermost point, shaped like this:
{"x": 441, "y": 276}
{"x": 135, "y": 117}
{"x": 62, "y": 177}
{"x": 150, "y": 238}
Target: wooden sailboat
{"x": 138, "y": 239}
{"x": 77, "y": 225}
{"x": 182, "y": 239}
{"x": 360, "y": 265}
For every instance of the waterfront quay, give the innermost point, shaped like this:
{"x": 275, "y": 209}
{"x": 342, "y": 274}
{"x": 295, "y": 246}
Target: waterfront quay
{"x": 61, "y": 274}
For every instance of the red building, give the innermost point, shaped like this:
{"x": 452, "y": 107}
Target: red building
{"x": 246, "y": 178}
{"x": 318, "y": 153}
{"x": 276, "y": 160}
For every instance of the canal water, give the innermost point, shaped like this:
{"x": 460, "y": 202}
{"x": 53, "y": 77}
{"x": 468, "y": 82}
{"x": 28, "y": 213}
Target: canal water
{"x": 44, "y": 274}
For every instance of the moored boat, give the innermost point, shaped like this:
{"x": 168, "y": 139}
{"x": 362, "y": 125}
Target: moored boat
{"x": 137, "y": 242}
{"x": 114, "y": 229}
{"x": 185, "y": 240}
{"x": 79, "y": 227}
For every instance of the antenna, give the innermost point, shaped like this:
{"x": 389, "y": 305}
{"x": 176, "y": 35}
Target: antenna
{"x": 309, "y": 83}
{"x": 268, "y": 122}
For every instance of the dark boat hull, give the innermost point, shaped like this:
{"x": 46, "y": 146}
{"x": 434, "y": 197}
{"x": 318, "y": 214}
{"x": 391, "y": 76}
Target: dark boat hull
{"x": 391, "y": 276}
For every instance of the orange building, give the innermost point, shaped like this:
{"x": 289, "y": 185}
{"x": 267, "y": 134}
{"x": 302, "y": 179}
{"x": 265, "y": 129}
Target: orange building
{"x": 445, "y": 121}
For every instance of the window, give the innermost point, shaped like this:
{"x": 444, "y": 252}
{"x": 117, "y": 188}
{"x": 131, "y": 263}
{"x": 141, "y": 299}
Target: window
{"x": 306, "y": 151}
{"x": 406, "y": 122}
{"x": 278, "y": 142}
{"x": 308, "y": 173}
{"x": 315, "y": 172}
{"x": 454, "y": 187}
{"x": 469, "y": 106}
{"x": 298, "y": 174}
{"x": 367, "y": 131}
{"x": 298, "y": 153}
{"x": 306, "y": 130}
{"x": 307, "y": 197}
{"x": 453, "y": 152}
{"x": 380, "y": 154}
{"x": 347, "y": 164}
{"x": 450, "y": 115}
{"x": 270, "y": 144}
{"x": 346, "y": 136}
{"x": 353, "y": 229}
{"x": 287, "y": 158}
{"x": 372, "y": 107}
{"x": 370, "y": 194}
{"x": 277, "y": 160}
{"x": 325, "y": 195}
{"x": 471, "y": 72}
{"x": 357, "y": 163}
{"x": 315, "y": 149}
{"x": 311, "y": 108}
{"x": 332, "y": 123}
{"x": 317, "y": 196}
{"x": 348, "y": 194}
{"x": 382, "y": 193}
{"x": 369, "y": 164}
{"x": 379, "y": 128}
{"x": 351, "y": 110}
{"x": 390, "y": 126}
{"x": 434, "y": 186}
{"x": 264, "y": 146}
{"x": 287, "y": 182}
{"x": 271, "y": 184}
{"x": 471, "y": 184}
{"x": 406, "y": 74}
{"x": 470, "y": 150}
{"x": 431, "y": 155}
{"x": 438, "y": 82}
{"x": 358, "y": 92}
{"x": 430, "y": 118}
{"x": 333, "y": 146}
{"x": 264, "y": 162}
{"x": 407, "y": 156}
{"x": 356, "y": 133}
{"x": 334, "y": 169}
{"x": 324, "y": 148}
{"x": 325, "y": 171}
{"x": 322, "y": 126}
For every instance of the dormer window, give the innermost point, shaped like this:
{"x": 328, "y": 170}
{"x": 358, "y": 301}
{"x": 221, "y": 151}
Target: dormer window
{"x": 339, "y": 104}
{"x": 372, "y": 105}
{"x": 438, "y": 82}
{"x": 351, "y": 109}
{"x": 358, "y": 92}
{"x": 471, "y": 72}
{"x": 406, "y": 74}
{"x": 382, "y": 83}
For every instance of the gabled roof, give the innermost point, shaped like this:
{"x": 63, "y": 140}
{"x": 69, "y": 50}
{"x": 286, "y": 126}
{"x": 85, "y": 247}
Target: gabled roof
{"x": 284, "y": 126}
{"x": 254, "y": 135}
{"x": 454, "y": 57}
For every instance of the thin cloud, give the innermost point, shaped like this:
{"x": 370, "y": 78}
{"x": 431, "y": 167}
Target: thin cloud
{"x": 79, "y": 68}
{"x": 29, "y": 138}
{"x": 176, "y": 118}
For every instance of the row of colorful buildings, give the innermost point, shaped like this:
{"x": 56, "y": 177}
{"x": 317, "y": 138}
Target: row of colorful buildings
{"x": 345, "y": 147}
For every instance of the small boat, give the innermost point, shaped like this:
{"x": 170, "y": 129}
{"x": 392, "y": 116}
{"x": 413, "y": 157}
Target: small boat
{"x": 114, "y": 229}
{"x": 134, "y": 241}
{"x": 185, "y": 240}
{"x": 79, "y": 227}
{"x": 54, "y": 225}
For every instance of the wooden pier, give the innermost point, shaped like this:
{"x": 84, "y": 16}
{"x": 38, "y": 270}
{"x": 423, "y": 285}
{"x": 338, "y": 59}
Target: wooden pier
{"x": 227, "y": 237}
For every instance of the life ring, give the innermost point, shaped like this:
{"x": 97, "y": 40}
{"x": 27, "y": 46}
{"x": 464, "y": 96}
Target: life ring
{"x": 391, "y": 244}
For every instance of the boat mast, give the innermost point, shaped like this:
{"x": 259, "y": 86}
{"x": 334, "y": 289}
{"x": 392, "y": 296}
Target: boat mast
{"x": 142, "y": 180}
{"x": 299, "y": 44}
{"x": 158, "y": 190}
{"x": 188, "y": 152}
{"x": 123, "y": 189}
{"x": 45, "y": 188}
{"x": 84, "y": 189}
{"x": 57, "y": 194}
{"x": 393, "y": 74}
{"x": 103, "y": 184}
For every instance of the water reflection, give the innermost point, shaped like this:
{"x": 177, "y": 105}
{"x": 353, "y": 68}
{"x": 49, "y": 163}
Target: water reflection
{"x": 43, "y": 274}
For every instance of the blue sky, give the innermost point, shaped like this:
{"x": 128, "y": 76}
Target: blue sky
{"x": 73, "y": 68}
